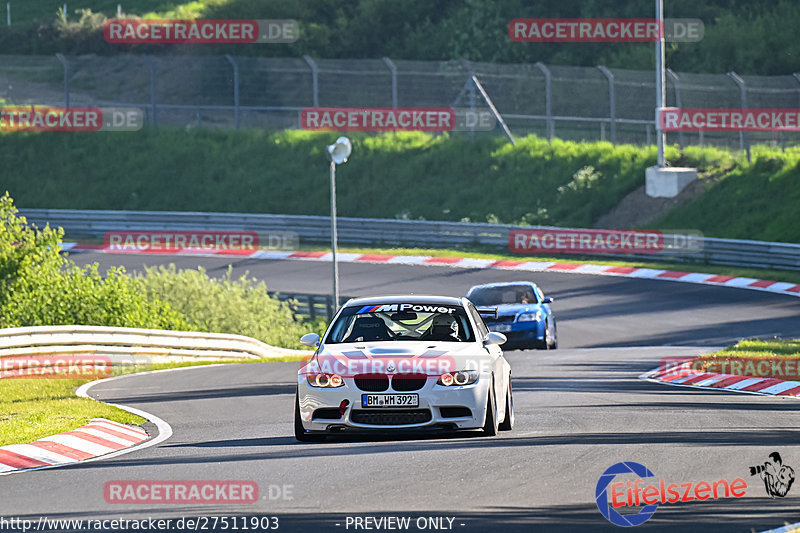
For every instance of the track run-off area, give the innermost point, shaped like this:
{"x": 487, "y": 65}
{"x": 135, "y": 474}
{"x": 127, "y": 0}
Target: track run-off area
{"x": 579, "y": 410}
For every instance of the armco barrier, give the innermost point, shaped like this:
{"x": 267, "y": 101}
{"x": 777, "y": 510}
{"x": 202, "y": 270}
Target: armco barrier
{"x": 128, "y": 345}
{"x": 388, "y": 232}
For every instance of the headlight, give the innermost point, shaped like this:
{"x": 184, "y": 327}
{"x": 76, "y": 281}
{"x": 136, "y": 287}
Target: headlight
{"x": 530, "y": 317}
{"x": 463, "y": 377}
{"x": 325, "y": 381}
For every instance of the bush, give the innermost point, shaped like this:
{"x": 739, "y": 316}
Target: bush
{"x": 40, "y": 287}
{"x": 226, "y": 305}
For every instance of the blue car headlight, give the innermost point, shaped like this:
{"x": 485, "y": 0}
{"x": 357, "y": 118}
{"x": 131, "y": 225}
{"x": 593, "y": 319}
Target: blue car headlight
{"x": 530, "y": 317}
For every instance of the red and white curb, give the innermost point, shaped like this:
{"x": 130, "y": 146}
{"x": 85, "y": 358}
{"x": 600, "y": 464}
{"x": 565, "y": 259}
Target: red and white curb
{"x": 778, "y": 287}
{"x": 98, "y": 437}
{"x": 683, "y": 375}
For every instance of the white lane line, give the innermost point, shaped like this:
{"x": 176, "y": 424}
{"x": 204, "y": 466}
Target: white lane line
{"x": 711, "y": 380}
{"x": 40, "y": 454}
{"x": 78, "y": 443}
{"x": 687, "y": 377}
{"x": 744, "y": 383}
{"x": 780, "y": 387}
{"x": 106, "y": 436}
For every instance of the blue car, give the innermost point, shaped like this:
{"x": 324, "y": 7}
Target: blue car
{"x": 523, "y": 313}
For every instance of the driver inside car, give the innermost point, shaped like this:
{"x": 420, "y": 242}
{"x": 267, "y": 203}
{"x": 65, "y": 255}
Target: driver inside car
{"x": 443, "y": 328}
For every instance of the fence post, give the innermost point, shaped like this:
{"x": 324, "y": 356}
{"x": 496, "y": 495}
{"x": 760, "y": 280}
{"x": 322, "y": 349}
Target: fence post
{"x": 612, "y": 103}
{"x": 744, "y": 139}
{"x": 314, "y": 79}
{"x": 471, "y": 91}
{"x": 153, "y": 106}
{"x": 8, "y": 13}
{"x": 676, "y": 82}
{"x": 548, "y": 102}
{"x": 235, "y": 66}
{"x": 797, "y": 77}
{"x": 393, "y": 69}
{"x": 494, "y": 110}
{"x": 64, "y": 64}
{"x": 312, "y": 308}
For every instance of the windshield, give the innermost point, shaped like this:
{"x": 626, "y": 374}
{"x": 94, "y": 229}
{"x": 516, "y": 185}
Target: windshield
{"x": 401, "y": 322}
{"x": 506, "y": 294}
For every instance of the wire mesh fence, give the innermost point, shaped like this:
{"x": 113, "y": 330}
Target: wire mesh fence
{"x": 576, "y": 103}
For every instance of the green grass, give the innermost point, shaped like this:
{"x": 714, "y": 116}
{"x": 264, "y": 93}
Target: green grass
{"x": 31, "y": 409}
{"x": 35, "y": 408}
{"x": 26, "y": 11}
{"x": 757, "y": 201}
{"x": 403, "y": 175}
{"x": 759, "y": 349}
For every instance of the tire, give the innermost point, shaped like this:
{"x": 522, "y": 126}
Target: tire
{"x": 299, "y": 431}
{"x": 508, "y": 421}
{"x": 490, "y": 422}
{"x": 555, "y": 337}
{"x": 545, "y": 344}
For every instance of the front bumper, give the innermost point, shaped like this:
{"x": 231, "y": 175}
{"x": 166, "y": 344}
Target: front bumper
{"x": 439, "y": 407}
{"x": 520, "y": 332}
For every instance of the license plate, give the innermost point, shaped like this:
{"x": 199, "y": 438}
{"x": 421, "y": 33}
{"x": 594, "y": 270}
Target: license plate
{"x": 389, "y": 400}
{"x": 502, "y": 327}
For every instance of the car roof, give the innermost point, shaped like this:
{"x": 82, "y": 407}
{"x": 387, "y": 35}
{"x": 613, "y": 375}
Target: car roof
{"x": 502, "y": 284}
{"x": 411, "y": 298}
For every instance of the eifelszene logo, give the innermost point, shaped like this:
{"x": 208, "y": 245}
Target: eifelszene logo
{"x": 610, "y": 495}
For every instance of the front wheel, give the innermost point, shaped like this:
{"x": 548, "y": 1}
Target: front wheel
{"x": 508, "y": 421}
{"x": 490, "y": 422}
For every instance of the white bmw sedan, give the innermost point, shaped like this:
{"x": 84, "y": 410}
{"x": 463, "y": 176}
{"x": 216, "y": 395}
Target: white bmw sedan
{"x": 404, "y": 363}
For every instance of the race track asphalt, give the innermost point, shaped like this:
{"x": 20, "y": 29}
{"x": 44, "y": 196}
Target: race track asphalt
{"x": 579, "y": 410}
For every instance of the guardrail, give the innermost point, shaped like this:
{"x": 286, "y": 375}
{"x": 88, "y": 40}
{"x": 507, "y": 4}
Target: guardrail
{"x": 388, "y": 233}
{"x": 312, "y": 306}
{"x": 132, "y": 345}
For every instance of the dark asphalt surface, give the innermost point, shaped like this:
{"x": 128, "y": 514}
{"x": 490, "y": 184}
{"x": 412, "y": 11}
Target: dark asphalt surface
{"x": 579, "y": 410}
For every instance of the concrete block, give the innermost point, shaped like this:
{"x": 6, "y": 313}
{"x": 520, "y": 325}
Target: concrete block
{"x": 668, "y": 182}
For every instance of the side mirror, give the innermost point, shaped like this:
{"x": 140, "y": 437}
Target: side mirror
{"x": 310, "y": 339}
{"x": 494, "y": 337}
{"x": 547, "y": 300}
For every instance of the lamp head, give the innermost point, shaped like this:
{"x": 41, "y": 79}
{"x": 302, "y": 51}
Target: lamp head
{"x": 339, "y": 151}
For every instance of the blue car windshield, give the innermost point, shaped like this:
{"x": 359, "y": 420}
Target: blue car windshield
{"x": 504, "y": 294}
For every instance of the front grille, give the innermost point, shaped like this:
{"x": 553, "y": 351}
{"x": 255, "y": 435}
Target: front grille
{"x": 397, "y": 417}
{"x": 326, "y": 413}
{"x": 408, "y": 382}
{"x": 372, "y": 382}
{"x": 455, "y": 412}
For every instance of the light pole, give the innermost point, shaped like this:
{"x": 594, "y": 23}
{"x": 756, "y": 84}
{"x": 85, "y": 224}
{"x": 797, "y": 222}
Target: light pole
{"x": 661, "y": 91}
{"x": 338, "y": 153}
